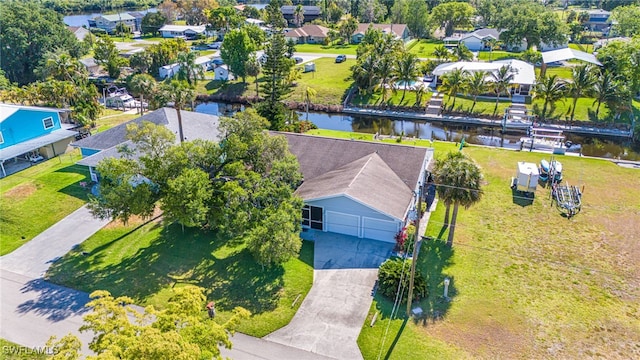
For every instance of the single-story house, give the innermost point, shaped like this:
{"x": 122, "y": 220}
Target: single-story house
{"x": 109, "y": 22}
{"x": 91, "y": 65}
{"x": 474, "y": 41}
{"x": 524, "y": 73}
{"x": 308, "y": 34}
{"x": 168, "y": 71}
{"x": 29, "y": 134}
{"x": 256, "y": 22}
{"x": 79, "y": 32}
{"x": 105, "y": 144}
{"x": 363, "y": 189}
{"x": 310, "y": 13}
{"x": 183, "y": 31}
{"x": 604, "y": 42}
{"x": 222, "y": 73}
{"x": 400, "y": 31}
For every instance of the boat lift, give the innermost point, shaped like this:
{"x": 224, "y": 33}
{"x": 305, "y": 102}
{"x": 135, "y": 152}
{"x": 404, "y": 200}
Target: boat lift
{"x": 568, "y": 199}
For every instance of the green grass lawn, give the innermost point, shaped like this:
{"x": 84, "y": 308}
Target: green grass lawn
{"x": 36, "y": 198}
{"x": 483, "y": 106}
{"x": 111, "y": 118}
{"x": 561, "y": 71}
{"x": 12, "y": 351}
{"x": 584, "y": 107}
{"x": 424, "y": 48}
{"x": 497, "y": 55}
{"x": 588, "y": 48}
{"x": 147, "y": 260}
{"x": 393, "y": 98}
{"x": 525, "y": 281}
{"x": 325, "y": 49}
{"x": 330, "y": 80}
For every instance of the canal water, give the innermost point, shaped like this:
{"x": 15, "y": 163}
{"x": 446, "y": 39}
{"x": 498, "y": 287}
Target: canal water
{"x": 591, "y": 146}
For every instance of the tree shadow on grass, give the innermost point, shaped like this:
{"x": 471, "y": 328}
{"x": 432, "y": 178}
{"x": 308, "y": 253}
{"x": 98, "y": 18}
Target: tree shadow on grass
{"x": 435, "y": 257}
{"x": 225, "y": 269}
{"x": 76, "y": 189}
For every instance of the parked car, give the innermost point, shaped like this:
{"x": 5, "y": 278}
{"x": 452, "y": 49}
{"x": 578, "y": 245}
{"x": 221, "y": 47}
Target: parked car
{"x": 216, "y": 45}
{"x": 298, "y": 59}
{"x": 341, "y": 58}
{"x": 218, "y": 62}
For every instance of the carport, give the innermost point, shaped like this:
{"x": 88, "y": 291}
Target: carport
{"x": 552, "y": 56}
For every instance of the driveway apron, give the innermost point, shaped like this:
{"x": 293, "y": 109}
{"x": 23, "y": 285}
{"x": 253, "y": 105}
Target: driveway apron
{"x": 329, "y": 319}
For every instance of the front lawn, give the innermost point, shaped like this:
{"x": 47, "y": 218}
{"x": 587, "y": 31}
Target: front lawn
{"x": 526, "y": 282}
{"x": 147, "y": 260}
{"x": 483, "y": 106}
{"x": 424, "y": 48}
{"x": 497, "y": 55}
{"x": 326, "y": 49}
{"x": 561, "y": 71}
{"x": 35, "y": 198}
{"x": 588, "y": 48}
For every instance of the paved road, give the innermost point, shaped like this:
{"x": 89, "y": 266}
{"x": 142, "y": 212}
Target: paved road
{"x": 34, "y": 258}
{"x": 329, "y": 319}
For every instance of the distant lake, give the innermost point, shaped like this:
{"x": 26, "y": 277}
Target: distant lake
{"x": 83, "y": 19}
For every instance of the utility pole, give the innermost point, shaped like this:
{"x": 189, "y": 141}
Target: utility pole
{"x": 416, "y": 247}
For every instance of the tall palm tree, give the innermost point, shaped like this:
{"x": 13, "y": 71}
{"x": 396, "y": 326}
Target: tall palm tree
{"x": 550, "y": 89}
{"x": 62, "y": 66}
{"x": 298, "y": 15}
{"x": 181, "y": 94}
{"x": 491, "y": 43}
{"x": 407, "y": 70}
{"x": 142, "y": 84}
{"x": 441, "y": 53}
{"x": 582, "y": 81}
{"x": 309, "y": 94}
{"x": 385, "y": 68}
{"x": 459, "y": 182}
{"x": 452, "y": 84}
{"x": 364, "y": 73}
{"x": 501, "y": 83}
{"x": 476, "y": 84}
{"x": 189, "y": 70}
{"x": 604, "y": 88}
{"x": 462, "y": 53}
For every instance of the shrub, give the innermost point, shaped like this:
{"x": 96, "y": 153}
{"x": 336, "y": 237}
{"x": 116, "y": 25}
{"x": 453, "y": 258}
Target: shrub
{"x": 389, "y": 276}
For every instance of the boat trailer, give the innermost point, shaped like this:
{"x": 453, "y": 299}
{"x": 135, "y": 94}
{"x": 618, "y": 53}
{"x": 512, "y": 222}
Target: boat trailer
{"x": 568, "y": 199}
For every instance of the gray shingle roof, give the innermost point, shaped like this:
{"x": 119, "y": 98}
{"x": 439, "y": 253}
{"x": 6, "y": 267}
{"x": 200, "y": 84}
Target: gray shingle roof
{"x": 368, "y": 180}
{"x": 195, "y": 126}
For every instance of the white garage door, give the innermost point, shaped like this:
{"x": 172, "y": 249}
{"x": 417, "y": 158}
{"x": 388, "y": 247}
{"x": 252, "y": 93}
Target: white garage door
{"x": 343, "y": 223}
{"x": 379, "y": 229}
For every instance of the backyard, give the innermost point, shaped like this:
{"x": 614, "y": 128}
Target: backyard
{"x": 424, "y": 48}
{"x": 146, "y": 260}
{"x": 525, "y": 281}
{"x": 54, "y": 185}
{"x": 325, "y": 49}
{"x": 393, "y": 98}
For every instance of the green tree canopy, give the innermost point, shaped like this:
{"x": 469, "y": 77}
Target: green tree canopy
{"x": 107, "y": 55}
{"x": 180, "y": 331}
{"x": 29, "y": 31}
{"x": 152, "y": 22}
{"x": 627, "y": 20}
{"x": 236, "y": 49}
{"x": 532, "y": 22}
{"x": 417, "y": 18}
{"x": 452, "y": 15}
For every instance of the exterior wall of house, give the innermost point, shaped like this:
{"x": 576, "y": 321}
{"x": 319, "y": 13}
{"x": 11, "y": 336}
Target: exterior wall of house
{"x": 55, "y": 149}
{"x": 345, "y": 205}
{"x": 110, "y": 26}
{"x": 357, "y": 38}
{"x": 26, "y": 124}
{"x": 473, "y": 43}
{"x": 172, "y": 34}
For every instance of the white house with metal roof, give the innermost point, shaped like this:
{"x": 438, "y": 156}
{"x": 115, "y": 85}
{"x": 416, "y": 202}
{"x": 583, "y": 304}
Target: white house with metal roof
{"x": 109, "y": 22}
{"x": 524, "y": 73}
{"x": 168, "y": 71}
{"x": 183, "y": 31}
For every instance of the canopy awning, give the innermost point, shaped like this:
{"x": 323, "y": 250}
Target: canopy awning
{"x": 567, "y": 54}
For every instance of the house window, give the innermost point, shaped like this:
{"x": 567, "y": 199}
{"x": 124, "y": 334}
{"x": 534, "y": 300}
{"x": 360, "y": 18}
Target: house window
{"x": 47, "y": 122}
{"x": 1, "y": 138}
{"x": 312, "y": 217}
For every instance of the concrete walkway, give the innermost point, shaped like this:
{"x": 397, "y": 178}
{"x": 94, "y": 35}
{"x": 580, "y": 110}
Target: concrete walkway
{"x": 329, "y": 319}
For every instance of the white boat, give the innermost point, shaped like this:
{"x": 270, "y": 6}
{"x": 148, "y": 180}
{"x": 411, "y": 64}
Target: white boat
{"x": 552, "y": 168}
{"x": 548, "y": 140}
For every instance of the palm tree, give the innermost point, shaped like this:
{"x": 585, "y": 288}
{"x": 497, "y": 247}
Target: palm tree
{"x": 189, "y": 70}
{"x": 550, "y": 89}
{"x": 364, "y": 73}
{"x": 459, "y": 182}
{"x": 582, "y": 81}
{"x": 298, "y": 16}
{"x": 604, "y": 88}
{"x": 501, "y": 83}
{"x": 142, "y": 84}
{"x": 441, "y": 53}
{"x": 181, "y": 94}
{"x": 476, "y": 84}
{"x": 309, "y": 94}
{"x": 491, "y": 43}
{"x": 462, "y": 53}
{"x": 253, "y": 68}
{"x": 387, "y": 74}
{"x": 407, "y": 70}
{"x": 452, "y": 84}
{"x": 62, "y": 66}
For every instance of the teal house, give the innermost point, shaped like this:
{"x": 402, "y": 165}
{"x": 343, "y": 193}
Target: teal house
{"x": 29, "y": 134}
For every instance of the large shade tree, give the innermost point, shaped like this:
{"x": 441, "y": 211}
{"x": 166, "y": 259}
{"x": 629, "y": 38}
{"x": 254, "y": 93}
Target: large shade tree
{"x": 458, "y": 182}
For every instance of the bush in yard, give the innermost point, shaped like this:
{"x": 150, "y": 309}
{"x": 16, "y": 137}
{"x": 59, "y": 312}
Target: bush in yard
{"x": 389, "y": 276}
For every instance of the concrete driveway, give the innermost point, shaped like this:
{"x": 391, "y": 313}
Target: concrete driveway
{"x": 329, "y": 319}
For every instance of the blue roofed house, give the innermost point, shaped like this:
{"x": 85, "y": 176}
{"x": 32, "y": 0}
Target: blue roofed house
{"x": 29, "y": 134}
